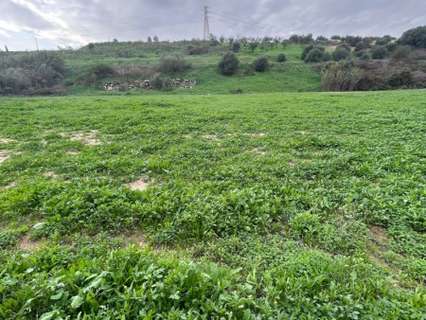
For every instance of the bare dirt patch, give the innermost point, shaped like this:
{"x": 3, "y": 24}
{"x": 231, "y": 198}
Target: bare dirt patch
{"x": 211, "y": 137}
{"x": 258, "y": 152}
{"x": 88, "y": 138}
{"x": 72, "y": 153}
{"x": 378, "y": 236}
{"x": 27, "y": 244}
{"x": 256, "y": 135}
{"x": 377, "y": 246}
{"x": 4, "y": 155}
{"x": 139, "y": 185}
{"x": 50, "y": 174}
{"x": 136, "y": 238}
{"x": 292, "y": 163}
{"x": 6, "y": 141}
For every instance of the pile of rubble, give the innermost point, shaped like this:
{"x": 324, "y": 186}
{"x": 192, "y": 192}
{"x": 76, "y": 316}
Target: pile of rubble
{"x": 146, "y": 84}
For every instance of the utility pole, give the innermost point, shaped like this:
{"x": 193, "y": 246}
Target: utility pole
{"x": 36, "y": 43}
{"x": 206, "y": 23}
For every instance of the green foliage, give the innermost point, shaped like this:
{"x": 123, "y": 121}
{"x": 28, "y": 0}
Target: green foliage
{"x": 281, "y": 58}
{"x": 341, "y": 54}
{"x": 235, "y": 46}
{"x": 414, "y": 37}
{"x": 30, "y": 72}
{"x": 401, "y": 53}
{"x": 379, "y": 52}
{"x": 340, "y": 76}
{"x": 401, "y": 79}
{"x": 95, "y": 73}
{"x": 315, "y": 55}
{"x": 261, "y": 64}
{"x": 229, "y": 64}
{"x": 279, "y": 190}
{"x": 130, "y": 283}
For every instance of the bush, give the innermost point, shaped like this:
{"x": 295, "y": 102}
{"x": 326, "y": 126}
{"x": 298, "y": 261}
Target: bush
{"x": 160, "y": 83}
{"x": 306, "y": 52}
{"x": 173, "y": 65}
{"x": 340, "y": 76}
{"x": 414, "y": 37}
{"x": 229, "y": 64}
{"x": 315, "y": 55}
{"x": 95, "y": 73}
{"x": 403, "y": 79}
{"x": 363, "y": 55}
{"x": 261, "y": 64}
{"x": 379, "y": 52}
{"x": 27, "y": 73}
{"x": 192, "y": 51}
{"x": 281, "y": 57}
{"x": 341, "y": 54}
{"x": 236, "y": 46}
{"x": 401, "y": 53}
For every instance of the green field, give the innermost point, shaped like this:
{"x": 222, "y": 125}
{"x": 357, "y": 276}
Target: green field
{"x": 258, "y": 206}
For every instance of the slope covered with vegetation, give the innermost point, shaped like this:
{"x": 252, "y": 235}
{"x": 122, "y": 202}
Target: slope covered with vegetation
{"x": 266, "y": 206}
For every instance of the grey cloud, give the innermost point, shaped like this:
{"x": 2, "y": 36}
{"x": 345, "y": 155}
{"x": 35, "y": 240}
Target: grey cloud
{"x": 96, "y": 20}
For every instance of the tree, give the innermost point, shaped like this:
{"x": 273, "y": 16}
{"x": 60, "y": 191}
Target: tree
{"x": 341, "y": 54}
{"x": 306, "y": 51}
{"x": 315, "y": 55}
{"x": 156, "y": 39}
{"x": 261, "y": 64}
{"x": 229, "y": 64}
{"x": 149, "y": 39}
{"x": 236, "y": 46}
{"x": 379, "y": 52}
{"x": 414, "y": 37}
{"x": 253, "y": 46}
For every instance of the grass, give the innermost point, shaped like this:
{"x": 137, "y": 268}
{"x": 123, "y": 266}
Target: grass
{"x": 291, "y": 76}
{"x": 272, "y": 206}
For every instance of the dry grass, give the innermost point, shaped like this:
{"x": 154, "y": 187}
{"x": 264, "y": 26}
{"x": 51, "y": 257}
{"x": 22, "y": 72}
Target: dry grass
{"x": 27, "y": 244}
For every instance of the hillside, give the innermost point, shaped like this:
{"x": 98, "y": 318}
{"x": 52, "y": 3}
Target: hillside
{"x": 291, "y": 76}
{"x": 263, "y": 206}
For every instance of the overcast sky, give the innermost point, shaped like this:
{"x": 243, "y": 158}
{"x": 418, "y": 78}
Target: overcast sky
{"x": 76, "y": 22}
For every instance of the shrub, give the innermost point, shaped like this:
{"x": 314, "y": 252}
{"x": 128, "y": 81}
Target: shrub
{"x": 401, "y": 53}
{"x": 414, "y": 37}
{"x": 192, "y": 51}
{"x": 173, "y": 65}
{"x": 281, "y": 57}
{"x": 160, "y": 83}
{"x": 306, "y": 51}
{"x": 102, "y": 71}
{"x": 363, "y": 55}
{"x": 95, "y": 73}
{"x": 261, "y": 64}
{"x": 229, "y": 64}
{"x": 341, "y": 54}
{"x": 326, "y": 56}
{"x": 340, "y": 76}
{"x": 379, "y": 52}
{"x": 401, "y": 79}
{"x": 236, "y": 46}
{"x": 315, "y": 55}
{"x": 26, "y": 73}
{"x": 253, "y": 46}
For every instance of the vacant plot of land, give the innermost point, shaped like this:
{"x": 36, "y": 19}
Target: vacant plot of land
{"x": 302, "y": 206}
